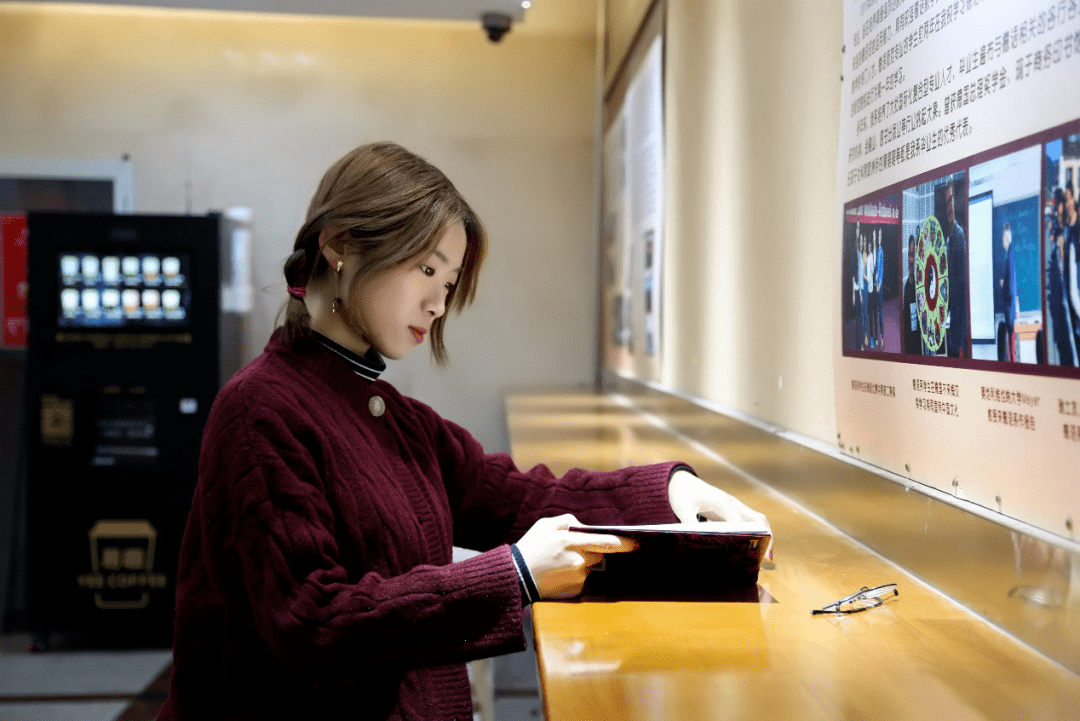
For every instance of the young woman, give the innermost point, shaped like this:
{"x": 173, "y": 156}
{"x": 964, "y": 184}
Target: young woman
{"x": 315, "y": 576}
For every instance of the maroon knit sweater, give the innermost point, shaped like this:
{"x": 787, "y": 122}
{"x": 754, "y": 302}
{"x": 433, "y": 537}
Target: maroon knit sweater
{"x": 315, "y": 577}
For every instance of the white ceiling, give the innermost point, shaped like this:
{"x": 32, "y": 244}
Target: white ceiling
{"x": 557, "y": 17}
{"x": 425, "y": 9}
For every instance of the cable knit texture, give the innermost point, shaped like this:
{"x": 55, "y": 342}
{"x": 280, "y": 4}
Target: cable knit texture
{"x": 315, "y": 576}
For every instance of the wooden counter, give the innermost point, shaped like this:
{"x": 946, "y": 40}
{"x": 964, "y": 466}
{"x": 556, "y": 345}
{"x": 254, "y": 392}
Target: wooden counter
{"x": 919, "y": 656}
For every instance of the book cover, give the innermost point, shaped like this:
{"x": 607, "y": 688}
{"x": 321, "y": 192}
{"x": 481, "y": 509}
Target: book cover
{"x": 681, "y": 559}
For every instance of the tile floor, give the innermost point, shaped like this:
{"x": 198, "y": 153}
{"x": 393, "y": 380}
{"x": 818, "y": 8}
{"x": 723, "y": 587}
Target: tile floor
{"x": 61, "y": 685}
{"x": 518, "y": 709}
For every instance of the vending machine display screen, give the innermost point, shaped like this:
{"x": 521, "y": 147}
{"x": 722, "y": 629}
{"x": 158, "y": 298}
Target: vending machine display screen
{"x": 114, "y": 290}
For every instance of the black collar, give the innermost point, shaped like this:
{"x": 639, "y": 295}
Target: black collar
{"x": 367, "y": 366}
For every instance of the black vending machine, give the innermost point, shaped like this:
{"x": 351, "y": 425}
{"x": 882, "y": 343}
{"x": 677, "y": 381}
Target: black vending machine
{"x": 123, "y": 366}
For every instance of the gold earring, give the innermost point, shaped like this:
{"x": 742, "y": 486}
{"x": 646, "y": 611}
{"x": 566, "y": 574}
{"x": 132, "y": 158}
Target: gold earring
{"x": 337, "y": 287}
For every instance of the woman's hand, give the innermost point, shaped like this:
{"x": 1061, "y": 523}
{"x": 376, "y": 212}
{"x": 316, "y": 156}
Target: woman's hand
{"x": 559, "y": 559}
{"x": 690, "y": 497}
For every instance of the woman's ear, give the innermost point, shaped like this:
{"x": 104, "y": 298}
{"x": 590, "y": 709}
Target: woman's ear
{"x": 331, "y": 246}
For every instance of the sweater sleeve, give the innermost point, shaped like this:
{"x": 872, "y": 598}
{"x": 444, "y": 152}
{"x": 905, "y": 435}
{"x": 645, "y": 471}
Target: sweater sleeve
{"x": 494, "y": 502}
{"x": 269, "y": 540}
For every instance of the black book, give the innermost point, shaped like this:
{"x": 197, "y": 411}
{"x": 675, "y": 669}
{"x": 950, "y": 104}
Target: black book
{"x": 681, "y": 559}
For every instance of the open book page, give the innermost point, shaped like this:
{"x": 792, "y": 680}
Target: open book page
{"x": 693, "y": 534}
{"x": 707, "y": 527}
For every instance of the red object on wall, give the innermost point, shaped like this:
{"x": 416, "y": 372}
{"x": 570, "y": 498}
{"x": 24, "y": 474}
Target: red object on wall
{"x": 13, "y": 279}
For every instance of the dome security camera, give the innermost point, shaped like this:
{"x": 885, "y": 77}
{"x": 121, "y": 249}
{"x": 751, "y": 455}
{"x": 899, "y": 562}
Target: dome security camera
{"x": 495, "y": 25}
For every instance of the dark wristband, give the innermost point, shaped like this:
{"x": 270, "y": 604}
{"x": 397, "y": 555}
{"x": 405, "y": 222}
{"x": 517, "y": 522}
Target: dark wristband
{"x": 528, "y": 585}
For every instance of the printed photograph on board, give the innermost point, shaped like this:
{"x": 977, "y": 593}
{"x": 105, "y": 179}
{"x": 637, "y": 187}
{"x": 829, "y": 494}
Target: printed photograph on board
{"x": 1062, "y": 251}
{"x": 871, "y": 294}
{"x": 1003, "y": 251}
{"x": 933, "y": 224}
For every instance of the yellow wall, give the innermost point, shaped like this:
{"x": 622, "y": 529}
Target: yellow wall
{"x": 752, "y": 94}
{"x": 622, "y": 19}
{"x": 220, "y": 110}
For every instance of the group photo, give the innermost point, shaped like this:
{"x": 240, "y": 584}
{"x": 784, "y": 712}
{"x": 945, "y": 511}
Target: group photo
{"x": 872, "y": 299}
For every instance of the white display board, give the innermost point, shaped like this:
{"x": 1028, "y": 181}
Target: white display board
{"x": 633, "y": 225}
{"x": 119, "y": 172}
{"x": 956, "y": 337}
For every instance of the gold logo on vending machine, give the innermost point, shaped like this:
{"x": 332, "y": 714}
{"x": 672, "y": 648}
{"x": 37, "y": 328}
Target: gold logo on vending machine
{"x": 57, "y": 420}
{"x": 122, "y": 557}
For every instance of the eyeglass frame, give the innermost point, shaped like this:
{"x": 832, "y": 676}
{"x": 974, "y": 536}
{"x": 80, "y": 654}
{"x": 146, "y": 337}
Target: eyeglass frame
{"x": 876, "y": 594}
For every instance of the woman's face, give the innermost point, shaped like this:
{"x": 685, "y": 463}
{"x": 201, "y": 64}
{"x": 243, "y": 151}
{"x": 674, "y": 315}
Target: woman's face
{"x": 398, "y": 306}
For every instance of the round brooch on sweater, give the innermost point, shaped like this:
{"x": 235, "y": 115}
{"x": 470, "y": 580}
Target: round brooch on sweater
{"x": 377, "y": 406}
